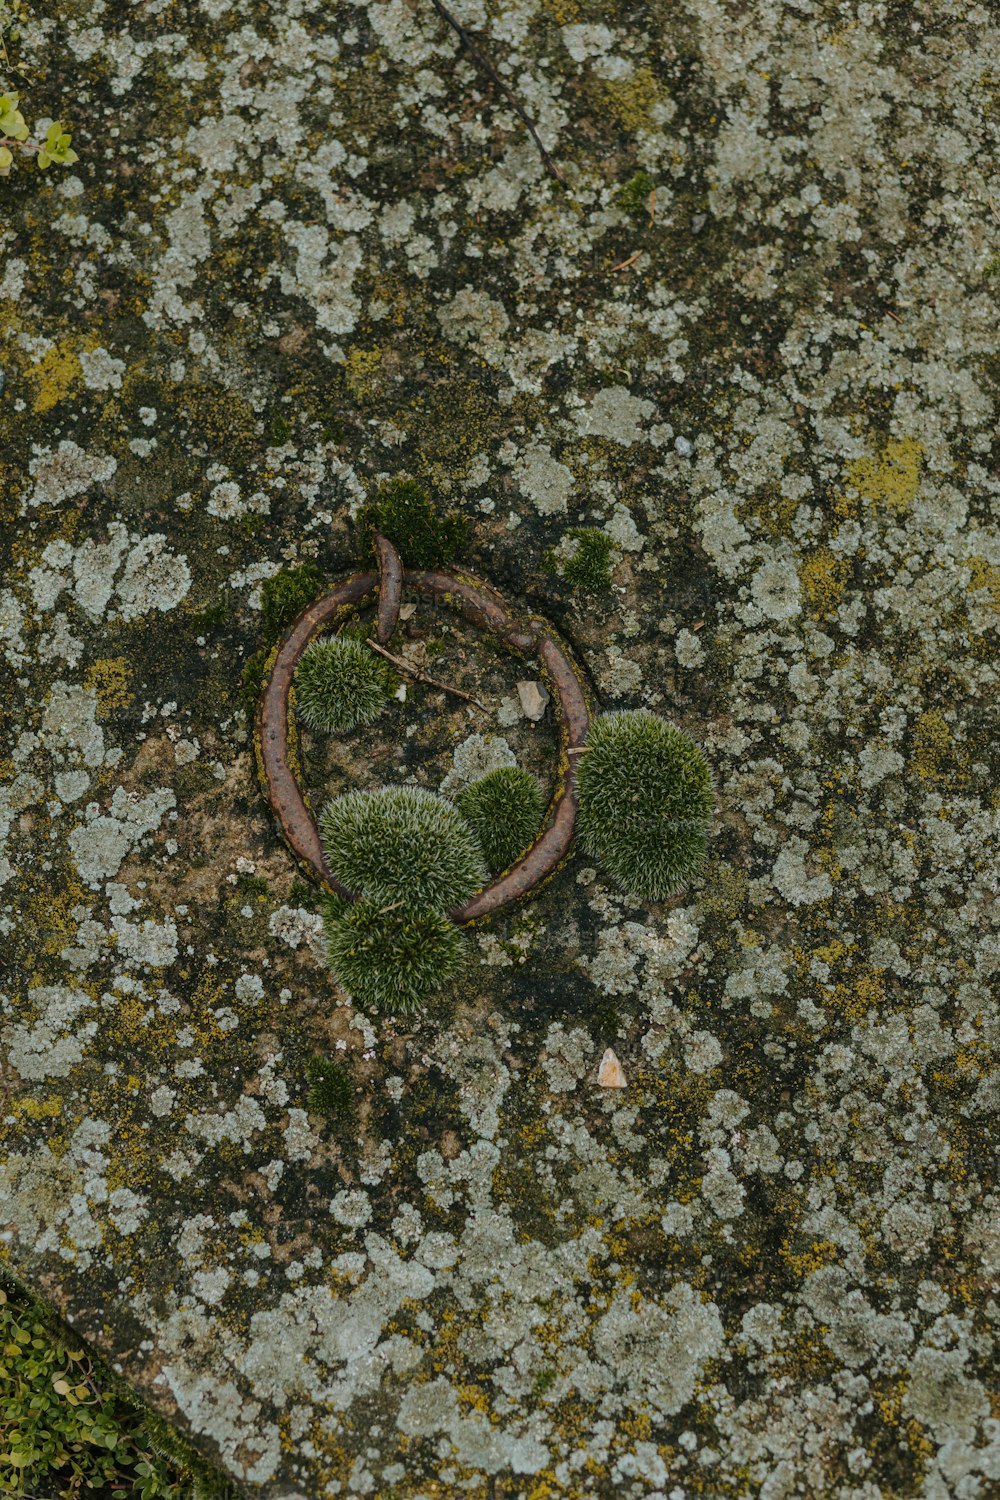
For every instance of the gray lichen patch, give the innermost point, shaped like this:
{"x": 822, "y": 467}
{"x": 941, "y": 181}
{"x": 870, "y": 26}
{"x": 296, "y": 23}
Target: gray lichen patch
{"x": 752, "y": 343}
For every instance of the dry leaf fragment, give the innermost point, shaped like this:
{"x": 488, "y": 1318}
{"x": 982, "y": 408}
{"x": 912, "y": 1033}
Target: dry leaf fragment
{"x": 610, "y": 1074}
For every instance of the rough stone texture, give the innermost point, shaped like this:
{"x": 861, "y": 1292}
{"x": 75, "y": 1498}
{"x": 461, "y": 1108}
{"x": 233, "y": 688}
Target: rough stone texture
{"x": 307, "y": 246}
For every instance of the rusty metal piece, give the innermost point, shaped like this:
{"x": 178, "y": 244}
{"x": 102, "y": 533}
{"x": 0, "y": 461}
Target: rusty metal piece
{"x": 481, "y": 604}
{"x": 274, "y": 741}
{"x": 390, "y": 588}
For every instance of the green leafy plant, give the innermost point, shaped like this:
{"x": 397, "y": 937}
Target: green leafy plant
{"x": 402, "y": 844}
{"x": 588, "y": 565}
{"x": 504, "y": 810}
{"x": 645, "y": 802}
{"x": 340, "y": 683}
{"x": 17, "y": 140}
{"x": 69, "y": 1427}
{"x": 391, "y": 957}
{"x": 331, "y": 1091}
{"x": 423, "y": 536}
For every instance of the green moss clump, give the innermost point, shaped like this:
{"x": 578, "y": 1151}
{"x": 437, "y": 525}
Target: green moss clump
{"x": 645, "y": 802}
{"x": 633, "y": 196}
{"x": 589, "y": 567}
{"x": 331, "y": 1091}
{"x": 390, "y": 958}
{"x": 402, "y": 844}
{"x": 504, "y": 810}
{"x": 286, "y": 595}
{"x": 340, "y": 684}
{"x": 423, "y": 536}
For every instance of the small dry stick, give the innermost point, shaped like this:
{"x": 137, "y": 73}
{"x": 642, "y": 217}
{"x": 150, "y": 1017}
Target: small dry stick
{"x": 404, "y": 666}
{"x": 465, "y": 38}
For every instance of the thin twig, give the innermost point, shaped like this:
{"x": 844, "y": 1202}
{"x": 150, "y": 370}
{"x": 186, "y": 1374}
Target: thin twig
{"x": 465, "y": 38}
{"x": 399, "y": 661}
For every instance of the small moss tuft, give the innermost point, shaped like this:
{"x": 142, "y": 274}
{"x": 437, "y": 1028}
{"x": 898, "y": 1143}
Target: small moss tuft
{"x": 390, "y": 958}
{"x": 402, "y": 844}
{"x": 633, "y": 196}
{"x": 645, "y": 802}
{"x": 588, "y": 568}
{"x": 423, "y": 536}
{"x": 331, "y": 1091}
{"x": 504, "y": 810}
{"x": 286, "y": 595}
{"x": 340, "y": 683}
{"x": 302, "y": 895}
{"x": 252, "y": 680}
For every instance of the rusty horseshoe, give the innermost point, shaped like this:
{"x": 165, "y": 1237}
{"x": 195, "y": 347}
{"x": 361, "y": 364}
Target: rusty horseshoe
{"x": 276, "y": 738}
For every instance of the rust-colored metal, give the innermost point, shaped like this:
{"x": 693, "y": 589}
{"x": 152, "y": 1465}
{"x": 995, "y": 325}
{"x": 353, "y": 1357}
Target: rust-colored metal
{"x": 278, "y": 772}
{"x": 390, "y": 588}
{"x": 481, "y": 604}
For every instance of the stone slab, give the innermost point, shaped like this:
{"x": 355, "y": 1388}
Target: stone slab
{"x": 310, "y": 246}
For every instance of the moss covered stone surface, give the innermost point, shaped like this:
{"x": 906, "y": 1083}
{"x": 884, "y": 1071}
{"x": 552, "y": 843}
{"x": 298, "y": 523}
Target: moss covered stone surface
{"x": 307, "y": 249}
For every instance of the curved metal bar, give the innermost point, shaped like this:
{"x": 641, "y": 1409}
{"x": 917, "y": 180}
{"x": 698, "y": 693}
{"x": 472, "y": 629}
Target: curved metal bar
{"x": 390, "y": 588}
{"x": 274, "y": 740}
{"x": 483, "y": 606}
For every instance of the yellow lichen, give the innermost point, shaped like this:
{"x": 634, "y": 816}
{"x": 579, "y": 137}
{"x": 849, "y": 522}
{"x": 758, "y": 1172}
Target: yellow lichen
{"x": 891, "y": 478}
{"x": 822, "y": 578}
{"x": 56, "y": 376}
{"x": 985, "y": 577}
{"x": 108, "y": 677}
{"x": 934, "y": 758}
{"x": 35, "y": 1109}
{"x": 563, "y": 12}
{"x": 803, "y": 1263}
{"x": 363, "y": 373}
{"x": 632, "y": 99}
